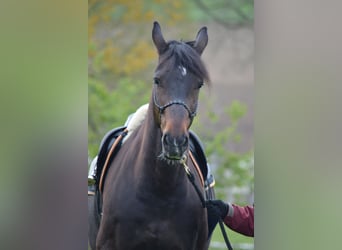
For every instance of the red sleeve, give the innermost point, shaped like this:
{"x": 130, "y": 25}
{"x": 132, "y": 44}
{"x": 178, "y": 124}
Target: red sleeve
{"x": 242, "y": 220}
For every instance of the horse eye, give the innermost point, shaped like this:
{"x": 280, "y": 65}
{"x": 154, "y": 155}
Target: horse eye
{"x": 156, "y": 81}
{"x": 200, "y": 84}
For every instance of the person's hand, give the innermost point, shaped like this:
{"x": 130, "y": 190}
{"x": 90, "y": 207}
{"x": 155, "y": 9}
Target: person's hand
{"x": 220, "y": 207}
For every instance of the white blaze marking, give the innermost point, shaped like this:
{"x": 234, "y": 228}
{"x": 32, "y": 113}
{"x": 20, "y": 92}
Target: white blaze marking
{"x": 183, "y": 70}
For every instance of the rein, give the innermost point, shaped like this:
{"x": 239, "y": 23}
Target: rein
{"x": 201, "y": 197}
{"x": 192, "y": 180}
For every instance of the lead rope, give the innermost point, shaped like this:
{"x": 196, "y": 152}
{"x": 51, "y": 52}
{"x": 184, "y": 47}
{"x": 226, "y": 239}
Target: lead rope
{"x": 192, "y": 180}
{"x": 200, "y": 195}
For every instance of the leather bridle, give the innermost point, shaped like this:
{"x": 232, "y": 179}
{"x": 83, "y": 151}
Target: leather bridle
{"x": 161, "y": 108}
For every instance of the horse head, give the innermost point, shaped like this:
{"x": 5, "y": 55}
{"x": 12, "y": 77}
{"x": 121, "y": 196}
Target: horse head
{"x": 177, "y": 80}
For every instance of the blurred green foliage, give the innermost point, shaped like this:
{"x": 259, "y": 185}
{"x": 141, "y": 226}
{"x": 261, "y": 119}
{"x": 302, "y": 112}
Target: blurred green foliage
{"x": 230, "y": 168}
{"x": 121, "y": 58}
{"x": 229, "y": 13}
{"x": 109, "y": 108}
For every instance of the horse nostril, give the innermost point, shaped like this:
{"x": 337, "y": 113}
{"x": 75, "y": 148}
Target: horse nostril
{"x": 174, "y": 146}
{"x": 180, "y": 141}
{"x": 183, "y": 141}
{"x": 167, "y": 139}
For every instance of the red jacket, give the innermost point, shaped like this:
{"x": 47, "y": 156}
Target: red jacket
{"x": 241, "y": 219}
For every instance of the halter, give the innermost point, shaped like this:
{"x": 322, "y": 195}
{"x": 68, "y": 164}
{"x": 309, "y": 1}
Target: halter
{"x": 161, "y": 108}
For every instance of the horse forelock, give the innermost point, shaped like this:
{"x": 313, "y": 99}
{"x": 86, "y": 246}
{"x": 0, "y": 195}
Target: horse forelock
{"x": 182, "y": 54}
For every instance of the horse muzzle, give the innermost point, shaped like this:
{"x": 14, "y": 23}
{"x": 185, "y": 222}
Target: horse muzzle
{"x": 173, "y": 147}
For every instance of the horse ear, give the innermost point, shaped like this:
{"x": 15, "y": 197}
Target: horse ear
{"x": 158, "y": 38}
{"x": 201, "y": 40}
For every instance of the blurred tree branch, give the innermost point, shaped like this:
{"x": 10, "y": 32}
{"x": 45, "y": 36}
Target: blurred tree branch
{"x": 211, "y": 10}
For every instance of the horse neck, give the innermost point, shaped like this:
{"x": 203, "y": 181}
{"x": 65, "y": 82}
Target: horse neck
{"x": 163, "y": 174}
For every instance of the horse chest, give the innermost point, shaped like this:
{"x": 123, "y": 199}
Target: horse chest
{"x": 156, "y": 223}
{"x": 158, "y": 234}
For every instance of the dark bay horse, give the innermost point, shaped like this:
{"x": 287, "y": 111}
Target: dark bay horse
{"x": 148, "y": 201}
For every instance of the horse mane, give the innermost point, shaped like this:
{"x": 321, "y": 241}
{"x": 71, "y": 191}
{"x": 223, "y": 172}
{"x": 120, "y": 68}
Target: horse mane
{"x": 183, "y": 53}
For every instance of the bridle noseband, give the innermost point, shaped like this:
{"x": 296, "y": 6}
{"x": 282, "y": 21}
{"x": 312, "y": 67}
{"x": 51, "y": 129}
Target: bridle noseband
{"x": 161, "y": 108}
